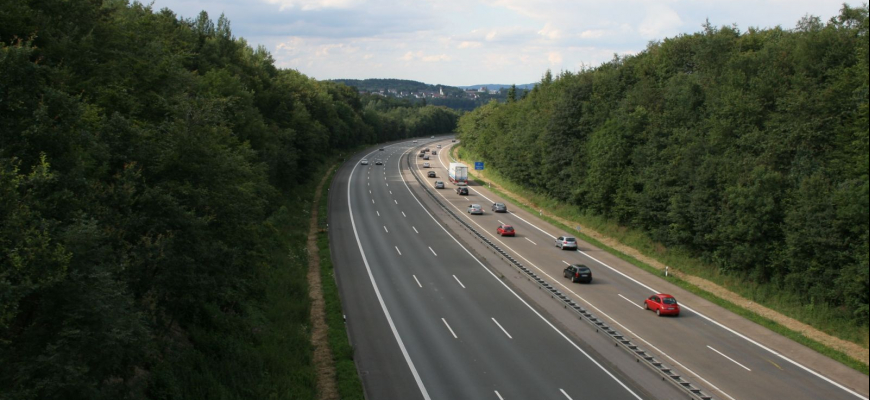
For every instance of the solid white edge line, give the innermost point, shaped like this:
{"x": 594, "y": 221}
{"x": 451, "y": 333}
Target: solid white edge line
{"x": 738, "y": 334}
{"x": 418, "y": 281}
{"x": 401, "y": 343}
{"x": 449, "y": 328}
{"x": 566, "y": 394}
{"x": 629, "y": 300}
{"x": 458, "y": 281}
{"x": 729, "y": 358}
{"x": 550, "y": 324}
{"x": 502, "y": 329}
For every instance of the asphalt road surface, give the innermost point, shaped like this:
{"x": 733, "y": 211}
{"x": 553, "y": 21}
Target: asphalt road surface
{"x": 430, "y": 317}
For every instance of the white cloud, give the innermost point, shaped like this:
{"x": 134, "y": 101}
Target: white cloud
{"x": 592, "y": 34}
{"x": 469, "y": 45}
{"x": 660, "y": 21}
{"x": 549, "y": 32}
{"x": 315, "y": 4}
{"x": 465, "y": 42}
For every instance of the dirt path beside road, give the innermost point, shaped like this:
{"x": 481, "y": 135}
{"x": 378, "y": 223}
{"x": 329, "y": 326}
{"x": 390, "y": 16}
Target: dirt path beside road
{"x": 327, "y": 388}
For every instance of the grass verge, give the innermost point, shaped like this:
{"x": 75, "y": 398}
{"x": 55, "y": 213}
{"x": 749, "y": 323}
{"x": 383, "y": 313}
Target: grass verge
{"x": 349, "y": 384}
{"x": 686, "y": 265}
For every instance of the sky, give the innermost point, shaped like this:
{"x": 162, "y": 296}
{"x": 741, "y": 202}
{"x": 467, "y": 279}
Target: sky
{"x": 472, "y": 42}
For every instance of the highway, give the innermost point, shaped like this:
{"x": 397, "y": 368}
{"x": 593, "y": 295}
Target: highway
{"x": 432, "y": 317}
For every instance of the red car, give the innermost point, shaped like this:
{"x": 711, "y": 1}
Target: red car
{"x": 506, "y": 230}
{"x": 662, "y": 304}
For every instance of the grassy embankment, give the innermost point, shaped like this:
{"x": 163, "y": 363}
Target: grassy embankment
{"x": 785, "y": 303}
{"x": 349, "y": 385}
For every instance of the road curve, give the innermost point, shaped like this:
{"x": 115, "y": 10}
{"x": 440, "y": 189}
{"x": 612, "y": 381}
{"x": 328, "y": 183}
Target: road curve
{"x": 428, "y": 319}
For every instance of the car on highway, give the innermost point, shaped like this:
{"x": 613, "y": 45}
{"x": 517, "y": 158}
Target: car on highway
{"x": 453, "y": 141}
{"x": 578, "y": 273}
{"x": 425, "y": 165}
{"x": 475, "y": 209}
{"x": 426, "y": 157}
{"x": 426, "y": 150}
{"x": 431, "y": 137}
{"x": 499, "y": 207}
{"x": 462, "y": 190}
{"x": 415, "y": 141}
{"x": 381, "y": 149}
{"x": 662, "y": 304}
{"x": 421, "y": 154}
{"x": 434, "y": 153}
{"x": 379, "y": 162}
{"x": 439, "y": 184}
{"x": 364, "y": 162}
{"x": 566, "y": 242}
{"x": 505, "y": 230}
{"x": 438, "y": 146}
{"x": 431, "y": 174}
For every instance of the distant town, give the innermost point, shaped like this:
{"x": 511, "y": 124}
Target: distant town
{"x": 460, "y": 98}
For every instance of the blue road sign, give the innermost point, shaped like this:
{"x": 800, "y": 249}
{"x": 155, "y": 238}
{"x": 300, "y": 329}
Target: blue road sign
{"x": 478, "y": 165}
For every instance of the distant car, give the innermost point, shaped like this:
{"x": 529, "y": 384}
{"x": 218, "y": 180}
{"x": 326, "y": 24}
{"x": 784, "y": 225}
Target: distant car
{"x": 462, "y": 190}
{"x": 438, "y": 146}
{"x": 425, "y": 165}
{"x": 439, "y": 184}
{"x": 426, "y": 150}
{"x": 505, "y": 230}
{"x": 415, "y": 141}
{"x": 566, "y": 242}
{"x": 578, "y": 273}
{"x": 426, "y": 157}
{"x": 423, "y": 150}
{"x": 475, "y": 209}
{"x": 379, "y": 162}
{"x": 431, "y": 174}
{"x": 421, "y": 154}
{"x": 381, "y": 149}
{"x": 453, "y": 141}
{"x": 364, "y": 162}
{"x": 499, "y": 207}
{"x": 431, "y": 137}
{"x": 434, "y": 152}
{"x": 662, "y": 304}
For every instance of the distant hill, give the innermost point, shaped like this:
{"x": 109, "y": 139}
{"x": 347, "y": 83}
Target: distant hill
{"x": 401, "y": 85}
{"x": 418, "y": 92}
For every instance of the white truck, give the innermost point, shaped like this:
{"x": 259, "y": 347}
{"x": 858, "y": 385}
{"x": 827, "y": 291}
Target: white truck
{"x": 458, "y": 173}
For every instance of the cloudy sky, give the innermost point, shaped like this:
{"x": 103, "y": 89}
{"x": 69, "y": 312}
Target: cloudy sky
{"x": 470, "y": 42}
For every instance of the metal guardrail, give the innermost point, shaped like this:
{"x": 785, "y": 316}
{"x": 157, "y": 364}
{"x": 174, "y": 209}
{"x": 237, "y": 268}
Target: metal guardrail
{"x": 668, "y": 373}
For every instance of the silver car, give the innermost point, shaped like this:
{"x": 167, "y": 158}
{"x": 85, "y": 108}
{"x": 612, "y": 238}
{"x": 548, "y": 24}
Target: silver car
{"x": 425, "y": 165}
{"x": 475, "y": 209}
{"x": 364, "y": 162}
{"x": 566, "y": 242}
{"x": 439, "y": 185}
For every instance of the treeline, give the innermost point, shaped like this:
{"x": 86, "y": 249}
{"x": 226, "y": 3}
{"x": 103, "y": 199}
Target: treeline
{"x": 153, "y": 177}
{"x": 395, "y": 118}
{"x": 750, "y": 149}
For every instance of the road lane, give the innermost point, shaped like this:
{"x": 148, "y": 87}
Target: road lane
{"x": 684, "y": 339}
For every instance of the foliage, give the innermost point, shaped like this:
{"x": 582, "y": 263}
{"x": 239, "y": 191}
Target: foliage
{"x": 148, "y": 168}
{"x": 748, "y": 149}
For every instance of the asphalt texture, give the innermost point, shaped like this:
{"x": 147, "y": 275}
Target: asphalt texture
{"x": 464, "y": 324}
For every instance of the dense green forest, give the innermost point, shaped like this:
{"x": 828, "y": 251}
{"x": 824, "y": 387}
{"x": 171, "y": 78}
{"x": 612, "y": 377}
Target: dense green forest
{"x": 747, "y": 148}
{"x": 154, "y": 179}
